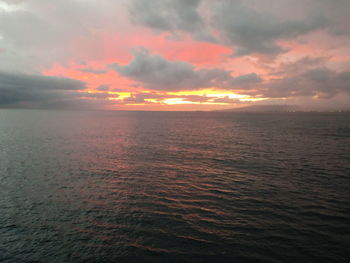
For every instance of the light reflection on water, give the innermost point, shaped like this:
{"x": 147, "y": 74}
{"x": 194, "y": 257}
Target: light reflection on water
{"x": 173, "y": 187}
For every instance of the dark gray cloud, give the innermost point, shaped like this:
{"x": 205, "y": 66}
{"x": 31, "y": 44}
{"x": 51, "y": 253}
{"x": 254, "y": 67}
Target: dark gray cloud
{"x": 94, "y": 71}
{"x": 103, "y": 87}
{"x": 321, "y": 82}
{"x": 253, "y": 31}
{"x": 140, "y": 98}
{"x": 227, "y": 100}
{"x": 157, "y": 73}
{"x": 247, "y": 79}
{"x": 165, "y": 15}
{"x": 117, "y": 90}
{"x": 33, "y": 89}
{"x": 298, "y": 67}
{"x": 305, "y": 77}
{"x": 336, "y": 14}
{"x": 23, "y": 81}
{"x": 171, "y": 16}
{"x": 249, "y": 27}
{"x": 96, "y": 95}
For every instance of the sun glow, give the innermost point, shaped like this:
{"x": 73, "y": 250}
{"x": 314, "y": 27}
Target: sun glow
{"x": 120, "y": 91}
{"x": 198, "y": 97}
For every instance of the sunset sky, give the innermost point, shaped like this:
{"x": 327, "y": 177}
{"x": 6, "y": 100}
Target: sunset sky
{"x": 174, "y": 54}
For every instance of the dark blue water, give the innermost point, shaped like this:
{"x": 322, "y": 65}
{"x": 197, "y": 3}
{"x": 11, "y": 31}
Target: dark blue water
{"x": 174, "y": 187}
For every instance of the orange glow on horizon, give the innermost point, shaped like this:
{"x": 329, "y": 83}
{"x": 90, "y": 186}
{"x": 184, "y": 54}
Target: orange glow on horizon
{"x": 121, "y": 89}
{"x": 111, "y": 87}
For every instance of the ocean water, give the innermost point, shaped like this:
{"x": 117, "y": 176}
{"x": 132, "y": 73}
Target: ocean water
{"x": 174, "y": 186}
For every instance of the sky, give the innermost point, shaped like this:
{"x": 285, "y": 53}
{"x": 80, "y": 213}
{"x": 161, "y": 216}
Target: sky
{"x": 174, "y": 54}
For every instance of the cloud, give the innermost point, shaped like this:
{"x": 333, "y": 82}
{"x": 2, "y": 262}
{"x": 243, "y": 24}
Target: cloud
{"x": 18, "y": 88}
{"x": 252, "y": 31}
{"x": 96, "y": 95}
{"x": 103, "y": 87}
{"x": 164, "y": 15}
{"x": 38, "y": 33}
{"x": 94, "y": 71}
{"x": 243, "y": 25}
{"x": 251, "y": 78}
{"x": 227, "y": 100}
{"x": 53, "y": 37}
{"x": 299, "y": 66}
{"x": 157, "y": 73}
{"x": 306, "y": 76}
{"x": 171, "y": 16}
{"x": 336, "y": 13}
{"x": 321, "y": 82}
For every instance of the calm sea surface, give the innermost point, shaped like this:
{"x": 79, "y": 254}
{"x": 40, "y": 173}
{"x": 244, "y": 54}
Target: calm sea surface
{"x": 174, "y": 187}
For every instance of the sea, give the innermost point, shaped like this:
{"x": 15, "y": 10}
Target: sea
{"x": 118, "y": 186}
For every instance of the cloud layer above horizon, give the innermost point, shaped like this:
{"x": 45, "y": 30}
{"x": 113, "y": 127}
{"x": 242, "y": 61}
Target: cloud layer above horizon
{"x": 174, "y": 54}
